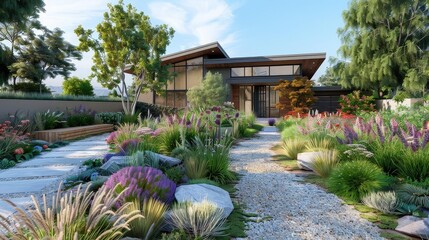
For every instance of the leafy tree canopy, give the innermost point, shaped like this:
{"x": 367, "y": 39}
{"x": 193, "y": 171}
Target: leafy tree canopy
{"x": 212, "y": 92}
{"x": 298, "y": 92}
{"x": 19, "y": 10}
{"x": 77, "y": 87}
{"x": 126, "y": 41}
{"x": 44, "y": 55}
{"x": 385, "y": 45}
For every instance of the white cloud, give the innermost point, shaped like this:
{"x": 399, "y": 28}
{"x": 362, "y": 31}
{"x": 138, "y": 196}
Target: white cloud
{"x": 208, "y": 20}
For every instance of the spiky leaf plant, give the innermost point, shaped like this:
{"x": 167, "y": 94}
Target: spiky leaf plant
{"x": 149, "y": 227}
{"x": 82, "y": 215}
{"x": 385, "y": 202}
{"x": 355, "y": 179}
{"x": 415, "y": 195}
{"x": 325, "y": 162}
{"x": 292, "y": 147}
{"x": 126, "y": 132}
{"x": 320, "y": 141}
{"x": 140, "y": 158}
{"x": 201, "y": 220}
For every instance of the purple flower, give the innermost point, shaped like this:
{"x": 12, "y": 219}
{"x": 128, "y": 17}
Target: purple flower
{"x": 208, "y": 111}
{"x": 394, "y": 127}
{"x": 218, "y": 116}
{"x": 425, "y": 138}
{"x": 237, "y": 114}
{"x": 380, "y": 133}
{"x": 188, "y": 124}
{"x": 403, "y": 137}
{"x": 199, "y": 122}
{"x": 141, "y": 183}
{"x": 217, "y": 121}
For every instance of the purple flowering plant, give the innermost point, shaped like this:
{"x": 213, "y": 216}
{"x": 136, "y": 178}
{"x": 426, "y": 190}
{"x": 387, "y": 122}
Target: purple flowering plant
{"x": 141, "y": 183}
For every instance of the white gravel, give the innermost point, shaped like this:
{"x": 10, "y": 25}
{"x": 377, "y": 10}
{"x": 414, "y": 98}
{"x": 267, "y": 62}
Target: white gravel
{"x": 298, "y": 210}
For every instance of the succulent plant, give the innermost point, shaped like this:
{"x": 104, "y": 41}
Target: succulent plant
{"x": 141, "y": 183}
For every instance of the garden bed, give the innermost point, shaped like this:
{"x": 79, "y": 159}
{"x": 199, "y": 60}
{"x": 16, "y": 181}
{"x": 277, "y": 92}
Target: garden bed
{"x": 70, "y": 133}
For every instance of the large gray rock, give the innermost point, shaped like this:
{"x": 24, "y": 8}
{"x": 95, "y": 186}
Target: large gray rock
{"x": 201, "y": 192}
{"x": 305, "y": 160}
{"x": 166, "y": 160}
{"x": 414, "y": 226}
{"x": 115, "y": 163}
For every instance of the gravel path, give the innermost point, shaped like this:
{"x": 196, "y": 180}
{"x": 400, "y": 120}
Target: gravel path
{"x": 298, "y": 210}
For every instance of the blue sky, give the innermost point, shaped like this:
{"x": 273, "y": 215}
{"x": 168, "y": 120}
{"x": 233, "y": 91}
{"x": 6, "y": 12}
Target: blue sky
{"x": 243, "y": 27}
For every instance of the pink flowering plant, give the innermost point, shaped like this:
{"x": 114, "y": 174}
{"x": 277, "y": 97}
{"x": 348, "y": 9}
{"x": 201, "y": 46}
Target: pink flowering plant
{"x": 355, "y": 103}
{"x": 11, "y": 136}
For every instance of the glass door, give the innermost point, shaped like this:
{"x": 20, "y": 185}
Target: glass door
{"x": 260, "y": 101}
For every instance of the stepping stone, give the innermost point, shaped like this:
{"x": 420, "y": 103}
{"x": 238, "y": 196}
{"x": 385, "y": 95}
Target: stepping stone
{"x": 74, "y": 154}
{"x": 90, "y": 143}
{"x": 69, "y": 148}
{"x": 36, "y": 162}
{"x": 6, "y": 209}
{"x": 22, "y": 186}
{"x": 37, "y": 171}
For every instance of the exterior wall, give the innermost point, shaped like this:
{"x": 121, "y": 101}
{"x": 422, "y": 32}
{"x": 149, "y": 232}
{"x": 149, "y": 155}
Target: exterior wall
{"x": 30, "y": 107}
{"x": 146, "y": 97}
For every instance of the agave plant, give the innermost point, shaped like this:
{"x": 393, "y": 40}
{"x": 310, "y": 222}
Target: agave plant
{"x": 415, "y": 195}
{"x": 76, "y": 215}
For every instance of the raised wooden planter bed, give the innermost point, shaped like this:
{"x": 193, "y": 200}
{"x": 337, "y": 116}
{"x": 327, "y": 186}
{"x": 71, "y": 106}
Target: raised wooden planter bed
{"x": 63, "y": 134}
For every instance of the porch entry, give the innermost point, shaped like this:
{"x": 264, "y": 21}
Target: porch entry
{"x": 261, "y": 99}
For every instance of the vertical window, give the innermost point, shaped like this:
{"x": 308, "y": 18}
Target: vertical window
{"x": 297, "y": 69}
{"x": 180, "y": 79}
{"x": 194, "y": 76}
{"x": 248, "y": 71}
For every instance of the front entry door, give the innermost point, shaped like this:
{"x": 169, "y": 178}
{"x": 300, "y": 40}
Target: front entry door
{"x": 260, "y": 101}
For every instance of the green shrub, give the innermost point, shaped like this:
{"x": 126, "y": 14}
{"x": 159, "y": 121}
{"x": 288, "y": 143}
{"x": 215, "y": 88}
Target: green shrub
{"x": 48, "y": 120}
{"x": 292, "y": 147}
{"x": 414, "y": 165}
{"x": 385, "y": 202}
{"x": 355, "y": 179}
{"x": 131, "y": 118}
{"x": 149, "y": 226}
{"x": 387, "y": 155}
{"x": 109, "y": 117}
{"x": 195, "y": 167}
{"x": 354, "y": 103}
{"x": 30, "y": 87}
{"x": 201, "y": 220}
{"x": 5, "y": 163}
{"x": 290, "y": 132}
{"x": 175, "y": 174}
{"x": 169, "y": 140}
{"x": 212, "y": 92}
{"x": 414, "y": 195}
{"x": 325, "y": 162}
{"x": 77, "y": 87}
{"x": 319, "y": 142}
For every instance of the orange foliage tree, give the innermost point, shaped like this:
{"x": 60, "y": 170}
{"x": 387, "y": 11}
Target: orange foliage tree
{"x": 299, "y": 93}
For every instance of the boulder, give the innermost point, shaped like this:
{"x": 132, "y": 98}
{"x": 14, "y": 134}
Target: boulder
{"x": 115, "y": 163}
{"x": 165, "y": 160}
{"x": 414, "y": 226}
{"x": 201, "y": 192}
{"x": 305, "y": 160}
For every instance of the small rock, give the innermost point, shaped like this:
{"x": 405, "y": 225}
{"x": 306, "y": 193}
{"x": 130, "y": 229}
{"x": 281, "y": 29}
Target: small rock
{"x": 201, "y": 192}
{"x": 166, "y": 160}
{"x": 114, "y": 164}
{"x": 305, "y": 160}
{"x": 414, "y": 226}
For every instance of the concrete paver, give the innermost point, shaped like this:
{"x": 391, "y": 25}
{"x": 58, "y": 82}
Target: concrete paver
{"x": 23, "y": 186}
{"x": 37, "y": 171}
{"x": 6, "y": 209}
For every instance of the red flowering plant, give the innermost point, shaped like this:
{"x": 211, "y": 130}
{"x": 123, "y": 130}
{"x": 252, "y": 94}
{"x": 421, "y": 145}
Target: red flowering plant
{"x": 12, "y": 136}
{"x": 354, "y": 103}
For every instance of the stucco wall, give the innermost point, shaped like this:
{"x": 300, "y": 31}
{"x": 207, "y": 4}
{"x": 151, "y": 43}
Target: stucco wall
{"x": 10, "y": 106}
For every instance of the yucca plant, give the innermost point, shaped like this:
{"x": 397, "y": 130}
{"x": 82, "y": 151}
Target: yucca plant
{"x": 415, "y": 195}
{"x": 325, "y": 162}
{"x": 292, "y": 147}
{"x": 201, "y": 220}
{"x": 76, "y": 215}
{"x": 385, "y": 202}
{"x": 149, "y": 227}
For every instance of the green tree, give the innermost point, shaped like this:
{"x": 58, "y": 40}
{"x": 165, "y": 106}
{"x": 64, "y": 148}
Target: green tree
{"x": 77, "y": 87}
{"x": 19, "y": 10}
{"x": 329, "y": 78}
{"x": 127, "y": 41}
{"x": 385, "y": 45}
{"x": 212, "y": 92}
{"x": 44, "y": 55}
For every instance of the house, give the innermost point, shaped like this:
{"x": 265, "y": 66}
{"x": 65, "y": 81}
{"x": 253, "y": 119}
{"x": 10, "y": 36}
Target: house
{"x": 251, "y": 79}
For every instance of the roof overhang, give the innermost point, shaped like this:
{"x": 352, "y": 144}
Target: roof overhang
{"x": 309, "y": 62}
{"x": 211, "y": 50}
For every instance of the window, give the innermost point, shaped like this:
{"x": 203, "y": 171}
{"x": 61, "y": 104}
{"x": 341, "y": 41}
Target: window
{"x": 160, "y": 100}
{"x": 180, "y": 79}
{"x": 297, "y": 69}
{"x": 248, "y": 71}
{"x": 195, "y": 61}
{"x": 194, "y": 75}
{"x": 237, "y": 72}
{"x": 260, "y": 71}
{"x": 281, "y": 70}
{"x": 180, "y": 99}
{"x": 180, "y": 63}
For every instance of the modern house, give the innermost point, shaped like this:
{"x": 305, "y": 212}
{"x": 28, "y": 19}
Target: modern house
{"x": 251, "y": 79}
